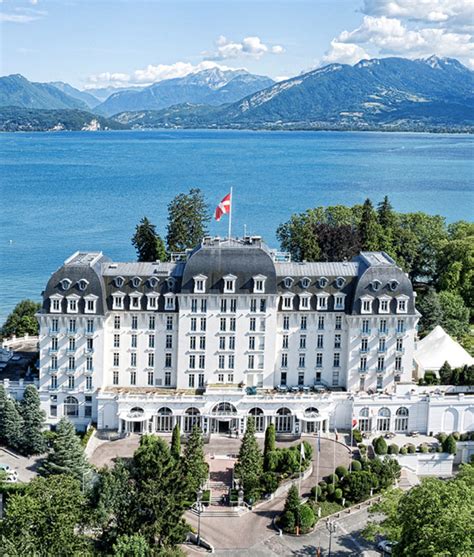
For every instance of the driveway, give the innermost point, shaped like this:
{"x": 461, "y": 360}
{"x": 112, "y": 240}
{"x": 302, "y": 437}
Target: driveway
{"x": 26, "y": 467}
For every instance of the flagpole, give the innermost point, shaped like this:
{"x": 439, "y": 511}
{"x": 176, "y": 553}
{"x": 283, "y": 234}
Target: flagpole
{"x": 352, "y": 440}
{"x": 230, "y": 212}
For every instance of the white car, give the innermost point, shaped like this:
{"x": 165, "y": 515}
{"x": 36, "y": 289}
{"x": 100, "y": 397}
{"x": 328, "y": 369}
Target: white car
{"x": 386, "y": 547}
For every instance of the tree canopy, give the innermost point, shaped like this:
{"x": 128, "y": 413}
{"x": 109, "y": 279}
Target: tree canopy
{"x": 188, "y": 215}
{"x": 22, "y": 320}
{"x": 249, "y": 466}
{"x": 148, "y": 243}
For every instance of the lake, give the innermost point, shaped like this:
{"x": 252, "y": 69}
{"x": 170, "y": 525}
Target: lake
{"x": 68, "y": 191}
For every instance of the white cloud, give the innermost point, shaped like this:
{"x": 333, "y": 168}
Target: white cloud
{"x": 409, "y": 28}
{"x": 252, "y": 47}
{"x": 17, "y": 18}
{"x": 150, "y": 74}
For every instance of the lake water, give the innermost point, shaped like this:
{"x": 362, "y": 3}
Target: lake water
{"x": 62, "y": 192}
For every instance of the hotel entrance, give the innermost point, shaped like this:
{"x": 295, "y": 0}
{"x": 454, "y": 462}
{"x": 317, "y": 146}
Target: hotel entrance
{"x": 223, "y": 418}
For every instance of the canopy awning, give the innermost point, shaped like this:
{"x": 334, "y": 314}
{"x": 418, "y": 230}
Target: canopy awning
{"x": 134, "y": 416}
{"x": 313, "y": 417}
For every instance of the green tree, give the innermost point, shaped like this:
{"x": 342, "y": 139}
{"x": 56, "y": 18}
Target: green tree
{"x": 337, "y": 242}
{"x": 369, "y": 229}
{"x": 188, "y": 215}
{"x": 148, "y": 243}
{"x": 449, "y": 445}
{"x": 357, "y": 485}
{"x": 159, "y": 499}
{"x": 11, "y": 425}
{"x": 134, "y": 545}
{"x": 175, "y": 447}
{"x": 429, "y": 305}
{"x": 380, "y": 445}
{"x": 67, "y": 454}
{"x": 3, "y": 402}
{"x": 389, "y": 526}
{"x": 445, "y": 374}
{"x": 195, "y": 467}
{"x": 33, "y": 419}
{"x": 249, "y": 466}
{"x": 45, "y": 520}
{"x": 387, "y": 219}
{"x": 455, "y": 314}
{"x": 290, "y": 519}
{"x": 22, "y": 320}
{"x": 269, "y": 446}
{"x": 298, "y": 236}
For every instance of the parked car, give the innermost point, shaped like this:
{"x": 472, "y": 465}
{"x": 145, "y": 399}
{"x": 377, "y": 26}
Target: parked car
{"x": 4, "y": 467}
{"x": 386, "y": 547}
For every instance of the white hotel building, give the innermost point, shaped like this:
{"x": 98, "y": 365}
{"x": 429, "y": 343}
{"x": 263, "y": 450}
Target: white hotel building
{"x": 232, "y": 329}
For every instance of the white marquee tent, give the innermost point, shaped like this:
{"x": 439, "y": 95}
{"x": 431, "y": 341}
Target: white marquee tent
{"x": 438, "y": 347}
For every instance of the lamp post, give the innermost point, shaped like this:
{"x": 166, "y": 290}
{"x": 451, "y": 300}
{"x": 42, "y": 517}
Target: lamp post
{"x": 331, "y": 528}
{"x": 199, "y": 507}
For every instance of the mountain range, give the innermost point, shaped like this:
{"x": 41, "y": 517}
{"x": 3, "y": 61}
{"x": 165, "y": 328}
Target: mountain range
{"x": 211, "y": 87}
{"x": 388, "y": 93}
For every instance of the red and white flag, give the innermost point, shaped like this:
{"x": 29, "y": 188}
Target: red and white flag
{"x": 354, "y": 423}
{"x": 224, "y": 207}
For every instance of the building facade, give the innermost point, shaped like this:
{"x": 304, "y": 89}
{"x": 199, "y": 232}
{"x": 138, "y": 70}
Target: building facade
{"x": 227, "y": 330}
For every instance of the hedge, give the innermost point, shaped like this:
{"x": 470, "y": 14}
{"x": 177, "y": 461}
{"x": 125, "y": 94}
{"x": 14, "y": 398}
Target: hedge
{"x": 393, "y": 449}
{"x": 356, "y": 465}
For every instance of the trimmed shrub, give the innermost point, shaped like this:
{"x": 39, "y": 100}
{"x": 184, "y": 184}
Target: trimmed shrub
{"x": 270, "y": 482}
{"x": 323, "y": 485}
{"x": 356, "y": 466}
{"x": 449, "y": 445}
{"x": 338, "y": 494}
{"x": 330, "y": 492}
{"x": 287, "y": 522}
{"x": 457, "y": 435}
{"x": 403, "y": 450}
{"x": 441, "y": 437}
{"x": 393, "y": 449}
{"x": 341, "y": 472}
{"x": 410, "y": 448}
{"x": 357, "y": 435}
{"x": 423, "y": 448}
{"x": 332, "y": 479}
{"x": 307, "y": 518}
{"x": 316, "y": 490}
{"x": 380, "y": 445}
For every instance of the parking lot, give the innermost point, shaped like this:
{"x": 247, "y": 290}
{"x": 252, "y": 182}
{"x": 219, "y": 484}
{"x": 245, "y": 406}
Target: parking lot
{"x": 26, "y": 467}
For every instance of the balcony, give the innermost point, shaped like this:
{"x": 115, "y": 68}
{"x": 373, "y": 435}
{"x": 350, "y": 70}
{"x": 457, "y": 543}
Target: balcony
{"x": 71, "y": 351}
{"x": 400, "y": 332}
{"x": 89, "y": 371}
{"x": 70, "y": 371}
{"x": 71, "y": 332}
{"x": 381, "y": 369}
{"x": 382, "y": 350}
{"x": 52, "y": 369}
{"x": 53, "y": 331}
{"x": 88, "y": 332}
{"x": 383, "y": 332}
{"x": 365, "y": 332}
{"x": 52, "y": 351}
{"x": 400, "y": 351}
{"x": 362, "y": 370}
{"x": 88, "y": 350}
{"x": 363, "y": 350}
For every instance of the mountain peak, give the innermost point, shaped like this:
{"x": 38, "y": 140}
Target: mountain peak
{"x": 440, "y": 63}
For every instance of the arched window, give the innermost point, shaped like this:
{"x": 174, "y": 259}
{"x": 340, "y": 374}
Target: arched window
{"x": 401, "y": 419}
{"x": 224, "y": 408}
{"x": 66, "y": 283}
{"x": 383, "y": 420}
{"x": 192, "y": 417}
{"x": 136, "y": 282}
{"x": 71, "y": 407}
{"x": 284, "y": 421}
{"x": 305, "y": 282}
{"x": 164, "y": 419}
{"x": 119, "y": 281}
{"x": 365, "y": 422}
{"x": 311, "y": 412}
{"x": 340, "y": 282}
{"x": 259, "y": 418}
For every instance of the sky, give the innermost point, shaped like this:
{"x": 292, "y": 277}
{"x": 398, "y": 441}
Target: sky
{"x": 127, "y": 43}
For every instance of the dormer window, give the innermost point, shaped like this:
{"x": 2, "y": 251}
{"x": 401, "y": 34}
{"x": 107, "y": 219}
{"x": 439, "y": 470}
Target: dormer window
{"x": 259, "y": 284}
{"x": 135, "y": 301}
{"x": 376, "y": 284}
{"x": 322, "y": 301}
{"x": 305, "y": 282}
{"x": 90, "y": 303}
{"x": 229, "y": 284}
{"x": 340, "y": 282}
{"x": 55, "y": 303}
{"x": 153, "y": 282}
{"x": 366, "y": 304}
{"x": 83, "y": 284}
{"x": 73, "y": 303}
{"x": 287, "y": 302}
{"x": 169, "y": 302}
{"x": 402, "y": 304}
{"x": 305, "y": 302}
{"x": 339, "y": 300}
{"x": 152, "y": 301}
{"x": 136, "y": 281}
{"x": 200, "y": 284}
{"x": 118, "y": 300}
{"x": 288, "y": 282}
{"x": 119, "y": 282}
{"x": 322, "y": 282}
{"x": 170, "y": 283}
{"x": 393, "y": 284}
{"x": 66, "y": 284}
{"x": 384, "y": 304}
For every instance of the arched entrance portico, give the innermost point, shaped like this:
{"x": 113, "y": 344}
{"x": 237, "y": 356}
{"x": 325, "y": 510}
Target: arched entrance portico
{"x": 224, "y": 418}
{"x": 312, "y": 421}
{"x": 133, "y": 421}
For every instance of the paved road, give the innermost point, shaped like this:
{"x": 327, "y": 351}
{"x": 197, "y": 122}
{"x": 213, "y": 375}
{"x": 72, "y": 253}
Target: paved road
{"x": 346, "y": 541}
{"x": 26, "y": 467}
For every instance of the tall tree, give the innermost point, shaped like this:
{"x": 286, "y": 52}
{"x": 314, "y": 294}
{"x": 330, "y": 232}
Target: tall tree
{"x": 67, "y": 454}
{"x": 429, "y": 305}
{"x": 298, "y": 236}
{"x": 33, "y": 418}
{"x": 175, "y": 448}
{"x": 188, "y": 215}
{"x": 134, "y": 545}
{"x": 455, "y": 314}
{"x": 43, "y": 521}
{"x": 445, "y": 374}
{"x": 22, "y": 320}
{"x": 148, "y": 243}
{"x": 249, "y": 466}
{"x": 12, "y": 424}
{"x": 159, "y": 500}
{"x": 337, "y": 242}
{"x": 269, "y": 446}
{"x": 369, "y": 228}
{"x": 387, "y": 220}
{"x": 195, "y": 468}
{"x": 3, "y": 402}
